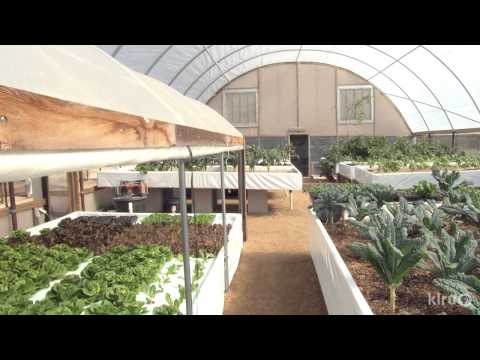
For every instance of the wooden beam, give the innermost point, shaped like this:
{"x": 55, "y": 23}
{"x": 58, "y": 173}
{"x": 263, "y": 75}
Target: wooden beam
{"x": 26, "y": 204}
{"x": 34, "y": 122}
{"x": 185, "y": 135}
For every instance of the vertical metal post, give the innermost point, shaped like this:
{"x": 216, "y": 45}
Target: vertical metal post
{"x": 453, "y": 139}
{"x": 224, "y": 222}
{"x": 242, "y": 193}
{"x": 13, "y": 206}
{"x": 184, "y": 234}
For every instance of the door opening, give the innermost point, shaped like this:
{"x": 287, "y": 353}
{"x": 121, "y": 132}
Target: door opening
{"x": 300, "y": 158}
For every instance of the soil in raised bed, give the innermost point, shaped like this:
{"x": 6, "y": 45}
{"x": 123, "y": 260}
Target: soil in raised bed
{"x": 100, "y": 237}
{"x": 412, "y": 295}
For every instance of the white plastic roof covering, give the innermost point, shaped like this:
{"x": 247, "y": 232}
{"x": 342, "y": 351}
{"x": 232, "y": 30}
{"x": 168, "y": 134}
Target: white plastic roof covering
{"x": 87, "y": 75}
{"x": 435, "y": 87}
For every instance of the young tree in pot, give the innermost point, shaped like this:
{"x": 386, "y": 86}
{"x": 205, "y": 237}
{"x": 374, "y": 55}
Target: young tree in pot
{"x": 391, "y": 254}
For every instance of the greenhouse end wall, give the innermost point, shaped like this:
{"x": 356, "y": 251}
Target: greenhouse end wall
{"x": 302, "y": 99}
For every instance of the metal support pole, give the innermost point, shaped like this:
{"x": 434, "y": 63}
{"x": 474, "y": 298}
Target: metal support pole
{"x": 453, "y": 139}
{"x": 184, "y": 234}
{"x": 13, "y": 206}
{"x": 242, "y": 193}
{"x": 224, "y": 222}
{"x": 291, "y": 199}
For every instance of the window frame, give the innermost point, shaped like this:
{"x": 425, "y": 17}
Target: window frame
{"x": 339, "y": 108}
{"x": 239, "y": 91}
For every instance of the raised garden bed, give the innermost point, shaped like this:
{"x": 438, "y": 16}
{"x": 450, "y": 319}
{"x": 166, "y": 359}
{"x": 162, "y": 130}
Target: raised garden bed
{"x": 352, "y": 287}
{"x": 340, "y": 292}
{"x": 400, "y": 180}
{"x": 371, "y": 249}
{"x": 138, "y": 266}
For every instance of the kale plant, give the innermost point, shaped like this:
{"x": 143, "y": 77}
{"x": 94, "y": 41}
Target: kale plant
{"x": 391, "y": 253}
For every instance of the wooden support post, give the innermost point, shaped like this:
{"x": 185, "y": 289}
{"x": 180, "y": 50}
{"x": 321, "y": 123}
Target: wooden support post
{"x": 46, "y": 197}
{"x": 82, "y": 188}
{"x": 70, "y": 195}
{"x": 3, "y": 194}
{"x": 291, "y": 199}
{"x": 13, "y": 206}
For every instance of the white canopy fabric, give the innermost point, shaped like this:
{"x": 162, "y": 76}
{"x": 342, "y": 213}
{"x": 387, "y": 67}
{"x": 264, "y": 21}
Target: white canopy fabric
{"x": 435, "y": 87}
{"x": 87, "y": 75}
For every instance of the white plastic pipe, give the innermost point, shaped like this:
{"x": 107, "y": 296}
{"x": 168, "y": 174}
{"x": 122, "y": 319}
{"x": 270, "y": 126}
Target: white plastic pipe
{"x": 20, "y": 166}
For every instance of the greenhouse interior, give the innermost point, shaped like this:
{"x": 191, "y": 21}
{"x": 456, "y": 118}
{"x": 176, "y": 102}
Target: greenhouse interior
{"x": 239, "y": 180}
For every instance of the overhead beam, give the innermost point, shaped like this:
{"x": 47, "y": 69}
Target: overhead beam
{"x": 33, "y": 122}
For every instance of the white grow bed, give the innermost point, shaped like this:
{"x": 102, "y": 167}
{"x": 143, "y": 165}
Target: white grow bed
{"x": 341, "y": 293}
{"x": 209, "y": 297}
{"x": 347, "y": 170}
{"x": 278, "y": 178}
{"x": 399, "y": 180}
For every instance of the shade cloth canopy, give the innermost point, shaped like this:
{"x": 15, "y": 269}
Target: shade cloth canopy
{"x": 86, "y": 75}
{"x": 67, "y": 108}
{"x": 435, "y": 87}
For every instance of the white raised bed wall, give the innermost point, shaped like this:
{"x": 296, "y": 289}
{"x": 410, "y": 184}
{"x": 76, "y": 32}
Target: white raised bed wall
{"x": 278, "y": 178}
{"x": 399, "y": 180}
{"x": 209, "y": 298}
{"x": 340, "y": 292}
{"x": 349, "y": 171}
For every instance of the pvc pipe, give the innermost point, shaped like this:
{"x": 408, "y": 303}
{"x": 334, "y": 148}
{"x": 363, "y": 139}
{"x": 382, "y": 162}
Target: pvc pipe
{"x": 20, "y": 166}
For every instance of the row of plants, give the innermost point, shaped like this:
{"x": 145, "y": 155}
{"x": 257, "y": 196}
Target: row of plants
{"x": 103, "y": 268}
{"x": 163, "y": 218}
{"x": 386, "y": 156}
{"x": 401, "y": 236}
{"x": 254, "y": 156}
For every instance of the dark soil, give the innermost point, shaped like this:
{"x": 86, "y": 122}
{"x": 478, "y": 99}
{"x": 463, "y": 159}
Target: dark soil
{"x": 412, "y": 295}
{"x": 99, "y": 236}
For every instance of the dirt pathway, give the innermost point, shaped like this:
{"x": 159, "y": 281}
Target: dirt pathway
{"x": 276, "y": 274}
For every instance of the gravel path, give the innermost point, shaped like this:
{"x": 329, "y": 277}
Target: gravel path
{"x": 276, "y": 274}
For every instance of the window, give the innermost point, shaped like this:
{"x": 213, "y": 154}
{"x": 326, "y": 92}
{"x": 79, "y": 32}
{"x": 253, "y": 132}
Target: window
{"x": 240, "y": 107}
{"x": 355, "y": 104}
